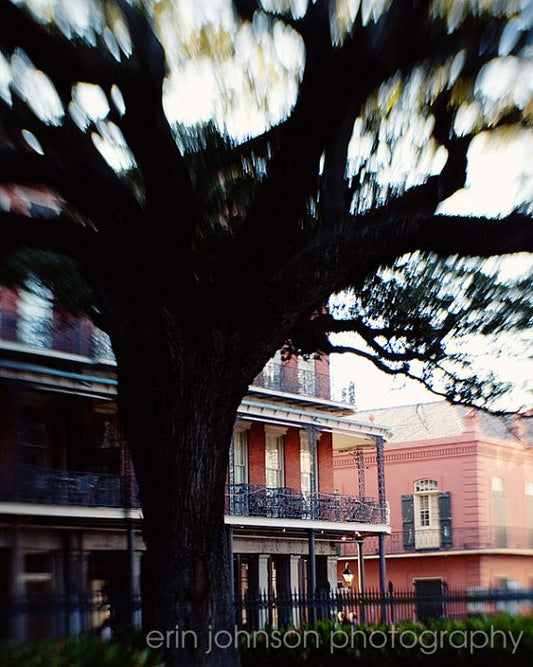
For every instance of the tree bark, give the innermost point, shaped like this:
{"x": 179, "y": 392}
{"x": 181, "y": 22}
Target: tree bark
{"x": 179, "y": 417}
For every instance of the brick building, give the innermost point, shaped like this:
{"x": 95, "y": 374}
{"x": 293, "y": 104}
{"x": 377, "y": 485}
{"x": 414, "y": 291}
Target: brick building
{"x": 70, "y": 523}
{"x": 460, "y": 487}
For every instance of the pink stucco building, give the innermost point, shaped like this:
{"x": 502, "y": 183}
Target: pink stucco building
{"x": 460, "y": 488}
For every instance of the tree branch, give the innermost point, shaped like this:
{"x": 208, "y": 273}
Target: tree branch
{"x": 66, "y": 61}
{"x": 335, "y": 80}
{"x": 60, "y": 234}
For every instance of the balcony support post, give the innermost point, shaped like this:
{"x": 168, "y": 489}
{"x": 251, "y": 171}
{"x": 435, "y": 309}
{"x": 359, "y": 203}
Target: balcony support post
{"x": 263, "y": 586}
{"x": 134, "y": 573}
{"x": 312, "y": 576}
{"x": 312, "y": 437}
{"x": 17, "y": 624}
{"x": 381, "y": 474}
{"x": 361, "y": 576}
{"x": 382, "y": 503}
{"x": 359, "y": 456}
{"x": 231, "y": 564}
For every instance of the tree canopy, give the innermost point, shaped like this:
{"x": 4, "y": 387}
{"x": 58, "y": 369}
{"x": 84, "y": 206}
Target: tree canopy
{"x": 215, "y": 171}
{"x": 321, "y": 142}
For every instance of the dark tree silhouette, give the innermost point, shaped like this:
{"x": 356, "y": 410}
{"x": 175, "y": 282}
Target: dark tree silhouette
{"x": 202, "y": 254}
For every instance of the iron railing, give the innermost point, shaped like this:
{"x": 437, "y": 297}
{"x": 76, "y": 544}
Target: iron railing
{"x": 33, "y": 484}
{"x": 79, "y": 336}
{"x": 47, "y": 615}
{"x": 257, "y": 609}
{"x": 465, "y": 538}
{"x": 62, "y": 334}
{"x": 261, "y": 501}
{"x": 293, "y": 380}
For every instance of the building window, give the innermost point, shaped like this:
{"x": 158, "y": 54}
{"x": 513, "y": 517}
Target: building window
{"x": 106, "y": 430}
{"x": 273, "y": 373}
{"x": 35, "y": 315}
{"x": 307, "y": 466}
{"x": 426, "y": 517}
{"x": 423, "y": 509}
{"x": 35, "y": 436}
{"x": 529, "y": 512}
{"x": 427, "y": 534}
{"x": 306, "y": 377}
{"x": 498, "y": 512}
{"x": 274, "y": 468}
{"x": 240, "y": 457}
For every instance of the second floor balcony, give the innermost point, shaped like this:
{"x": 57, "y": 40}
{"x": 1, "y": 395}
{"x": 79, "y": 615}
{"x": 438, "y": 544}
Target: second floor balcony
{"x": 35, "y": 485}
{"x": 48, "y": 331}
{"x": 462, "y": 538}
{"x": 284, "y": 503}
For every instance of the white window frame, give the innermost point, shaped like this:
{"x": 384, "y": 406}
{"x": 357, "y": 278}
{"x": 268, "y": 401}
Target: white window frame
{"x": 275, "y": 453}
{"x": 426, "y": 514}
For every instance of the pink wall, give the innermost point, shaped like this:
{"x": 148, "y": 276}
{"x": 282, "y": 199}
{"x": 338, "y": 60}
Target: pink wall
{"x": 465, "y": 466}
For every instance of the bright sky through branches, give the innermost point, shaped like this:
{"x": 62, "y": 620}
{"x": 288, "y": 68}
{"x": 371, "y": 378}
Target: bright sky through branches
{"x": 244, "y": 77}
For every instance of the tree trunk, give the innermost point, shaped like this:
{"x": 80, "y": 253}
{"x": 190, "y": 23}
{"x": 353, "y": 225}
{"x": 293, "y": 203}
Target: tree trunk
{"x": 179, "y": 428}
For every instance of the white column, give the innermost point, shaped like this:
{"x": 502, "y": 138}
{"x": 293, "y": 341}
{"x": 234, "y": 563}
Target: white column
{"x": 332, "y": 572}
{"x": 294, "y": 573}
{"x": 262, "y": 584}
{"x": 137, "y": 615}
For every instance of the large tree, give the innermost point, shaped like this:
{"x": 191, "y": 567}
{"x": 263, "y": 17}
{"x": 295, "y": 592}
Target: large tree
{"x": 326, "y": 161}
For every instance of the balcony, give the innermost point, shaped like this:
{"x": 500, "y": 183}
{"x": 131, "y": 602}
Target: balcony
{"x": 62, "y": 334}
{"x": 283, "y": 503}
{"x": 462, "y": 539}
{"x": 31, "y": 484}
{"x": 290, "y": 379}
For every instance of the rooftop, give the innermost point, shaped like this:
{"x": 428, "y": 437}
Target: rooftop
{"x": 440, "y": 419}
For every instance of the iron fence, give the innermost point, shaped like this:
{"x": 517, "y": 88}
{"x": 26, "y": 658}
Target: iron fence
{"x": 44, "y": 616}
{"x": 255, "y": 610}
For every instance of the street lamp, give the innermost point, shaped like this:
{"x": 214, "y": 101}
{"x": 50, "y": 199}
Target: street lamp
{"x": 347, "y": 574}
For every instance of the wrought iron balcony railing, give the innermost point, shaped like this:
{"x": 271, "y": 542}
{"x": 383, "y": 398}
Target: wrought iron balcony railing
{"x": 283, "y": 503}
{"x": 74, "y": 336}
{"x": 462, "y": 539}
{"x": 293, "y": 380}
{"x": 32, "y": 484}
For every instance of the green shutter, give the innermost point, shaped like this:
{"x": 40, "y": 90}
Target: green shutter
{"x": 445, "y": 519}
{"x": 408, "y": 523}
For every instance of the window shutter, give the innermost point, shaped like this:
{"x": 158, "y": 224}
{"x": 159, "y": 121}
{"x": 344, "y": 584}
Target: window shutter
{"x": 445, "y": 519}
{"x": 408, "y": 522}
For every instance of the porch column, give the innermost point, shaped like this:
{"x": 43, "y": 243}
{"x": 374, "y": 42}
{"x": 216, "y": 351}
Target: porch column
{"x": 136, "y": 591}
{"x": 59, "y": 577}
{"x": 262, "y": 585}
{"x": 231, "y": 564}
{"x": 17, "y": 621}
{"x": 76, "y": 570}
{"x": 382, "y": 503}
{"x": 294, "y": 583}
{"x": 312, "y": 576}
{"x": 134, "y": 573}
{"x": 332, "y": 573}
{"x": 83, "y": 589}
{"x": 359, "y": 457}
{"x": 361, "y": 576}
